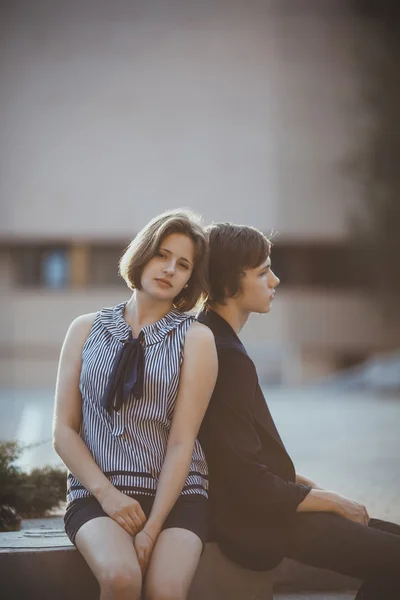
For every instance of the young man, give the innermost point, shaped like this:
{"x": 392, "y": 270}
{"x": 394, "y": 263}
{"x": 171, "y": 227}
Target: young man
{"x": 261, "y": 509}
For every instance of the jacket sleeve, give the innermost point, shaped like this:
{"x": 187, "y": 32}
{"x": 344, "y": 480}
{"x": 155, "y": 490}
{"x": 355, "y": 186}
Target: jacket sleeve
{"x": 233, "y": 446}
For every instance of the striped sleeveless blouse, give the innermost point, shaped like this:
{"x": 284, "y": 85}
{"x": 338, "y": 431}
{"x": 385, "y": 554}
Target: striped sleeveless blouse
{"x": 129, "y": 446}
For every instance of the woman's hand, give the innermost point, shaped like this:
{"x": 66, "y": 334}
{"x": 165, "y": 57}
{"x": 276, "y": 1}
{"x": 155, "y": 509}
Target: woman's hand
{"x": 126, "y": 511}
{"x": 144, "y": 546}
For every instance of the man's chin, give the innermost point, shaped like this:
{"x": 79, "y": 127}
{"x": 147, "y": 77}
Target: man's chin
{"x": 262, "y": 311}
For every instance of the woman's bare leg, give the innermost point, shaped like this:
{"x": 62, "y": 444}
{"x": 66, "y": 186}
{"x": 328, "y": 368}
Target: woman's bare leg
{"x": 172, "y": 565}
{"x": 108, "y": 550}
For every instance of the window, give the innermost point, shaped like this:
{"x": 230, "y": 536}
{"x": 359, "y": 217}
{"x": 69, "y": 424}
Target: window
{"x": 324, "y": 266}
{"x": 58, "y": 266}
{"x": 103, "y": 265}
{"x": 41, "y": 266}
{"x": 54, "y": 269}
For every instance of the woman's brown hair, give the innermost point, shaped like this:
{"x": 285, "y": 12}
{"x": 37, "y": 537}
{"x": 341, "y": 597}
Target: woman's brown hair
{"x": 232, "y": 250}
{"x": 147, "y": 242}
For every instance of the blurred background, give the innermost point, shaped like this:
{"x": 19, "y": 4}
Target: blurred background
{"x": 281, "y": 114}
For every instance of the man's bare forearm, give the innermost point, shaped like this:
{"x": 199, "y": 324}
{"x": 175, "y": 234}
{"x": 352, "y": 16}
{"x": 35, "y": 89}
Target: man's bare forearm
{"x": 324, "y": 501}
{"x": 305, "y": 481}
{"x": 318, "y": 501}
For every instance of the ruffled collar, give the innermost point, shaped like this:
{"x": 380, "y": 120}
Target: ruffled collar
{"x": 113, "y": 320}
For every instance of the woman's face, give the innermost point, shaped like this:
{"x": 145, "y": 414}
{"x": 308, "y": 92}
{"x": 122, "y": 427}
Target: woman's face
{"x": 167, "y": 273}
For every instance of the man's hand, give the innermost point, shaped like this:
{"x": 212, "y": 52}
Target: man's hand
{"x": 324, "y": 501}
{"x": 349, "y": 509}
{"x": 126, "y": 511}
{"x": 144, "y": 545}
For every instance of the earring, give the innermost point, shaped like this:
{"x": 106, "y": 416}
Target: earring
{"x": 186, "y": 286}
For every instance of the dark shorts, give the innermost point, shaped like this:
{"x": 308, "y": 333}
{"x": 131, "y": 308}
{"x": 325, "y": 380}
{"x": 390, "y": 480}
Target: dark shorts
{"x": 189, "y": 512}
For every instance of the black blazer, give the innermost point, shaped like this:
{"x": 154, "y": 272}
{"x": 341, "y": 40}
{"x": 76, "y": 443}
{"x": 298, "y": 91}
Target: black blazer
{"x": 253, "y": 494}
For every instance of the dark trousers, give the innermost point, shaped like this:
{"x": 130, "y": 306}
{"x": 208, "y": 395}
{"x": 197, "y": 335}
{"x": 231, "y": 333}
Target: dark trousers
{"x": 370, "y": 553}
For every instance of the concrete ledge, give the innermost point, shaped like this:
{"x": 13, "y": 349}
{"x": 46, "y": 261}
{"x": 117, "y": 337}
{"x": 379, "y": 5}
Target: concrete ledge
{"x": 44, "y": 564}
{"x": 291, "y": 576}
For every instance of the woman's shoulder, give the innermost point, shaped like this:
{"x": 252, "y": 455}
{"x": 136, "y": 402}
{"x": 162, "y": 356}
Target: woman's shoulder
{"x": 174, "y": 321}
{"x": 83, "y": 322}
{"x": 78, "y": 333}
{"x": 199, "y": 336}
{"x": 199, "y": 331}
{"x": 81, "y": 326}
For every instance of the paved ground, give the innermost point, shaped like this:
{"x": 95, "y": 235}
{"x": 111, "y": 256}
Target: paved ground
{"x": 345, "y": 441}
{"x": 349, "y": 443}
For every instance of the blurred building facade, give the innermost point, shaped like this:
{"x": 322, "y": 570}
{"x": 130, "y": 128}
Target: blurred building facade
{"x": 114, "y": 112}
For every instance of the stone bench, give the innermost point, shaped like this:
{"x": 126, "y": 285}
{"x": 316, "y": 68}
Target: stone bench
{"x": 44, "y": 564}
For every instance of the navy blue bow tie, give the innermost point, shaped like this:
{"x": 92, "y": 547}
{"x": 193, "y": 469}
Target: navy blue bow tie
{"x": 126, "y": 376}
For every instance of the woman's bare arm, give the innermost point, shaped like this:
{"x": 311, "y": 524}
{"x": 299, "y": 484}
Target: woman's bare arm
{"x": 66, "y": 427}
{"x": 197, "y": 380}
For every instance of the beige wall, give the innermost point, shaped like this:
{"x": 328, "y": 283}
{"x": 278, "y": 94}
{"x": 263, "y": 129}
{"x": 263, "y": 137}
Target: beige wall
{"x": 241, "y": 110}
{"x": 307, "y": 327}
{"x": 112, "y": 112}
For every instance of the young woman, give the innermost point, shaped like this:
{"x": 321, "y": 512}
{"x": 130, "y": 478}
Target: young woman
{"x": 133, "y": 385}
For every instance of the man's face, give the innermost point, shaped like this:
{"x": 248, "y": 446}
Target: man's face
{"x": 257, "y": 288}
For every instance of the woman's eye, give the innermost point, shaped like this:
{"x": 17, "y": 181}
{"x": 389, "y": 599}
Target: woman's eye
{"x": 184, "y": 266}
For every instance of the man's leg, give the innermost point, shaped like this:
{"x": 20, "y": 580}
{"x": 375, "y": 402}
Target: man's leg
{"x": 368, "y": 591}
{"x": 370, "y": 553}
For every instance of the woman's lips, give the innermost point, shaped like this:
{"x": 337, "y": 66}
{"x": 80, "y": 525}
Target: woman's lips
{"x": 164, "y": 282}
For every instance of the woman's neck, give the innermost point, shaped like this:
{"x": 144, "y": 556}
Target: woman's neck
{"x": 141, "y": 310}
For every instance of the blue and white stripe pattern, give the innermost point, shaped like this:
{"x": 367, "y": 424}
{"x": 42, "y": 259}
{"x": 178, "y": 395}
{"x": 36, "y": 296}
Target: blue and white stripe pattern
{"x": 129, "y": 446}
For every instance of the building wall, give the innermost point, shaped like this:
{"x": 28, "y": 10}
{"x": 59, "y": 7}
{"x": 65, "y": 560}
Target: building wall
{"x": 113, "y": 112}
{"x": 304, "y": 337}
{"x": 243, "y": 111}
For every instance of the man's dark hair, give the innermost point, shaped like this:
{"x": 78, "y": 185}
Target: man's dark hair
{"x": 233, "y": 249}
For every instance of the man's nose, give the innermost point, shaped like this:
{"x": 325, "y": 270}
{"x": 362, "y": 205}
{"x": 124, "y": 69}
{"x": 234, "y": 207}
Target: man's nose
{"x": 275, "y": 281}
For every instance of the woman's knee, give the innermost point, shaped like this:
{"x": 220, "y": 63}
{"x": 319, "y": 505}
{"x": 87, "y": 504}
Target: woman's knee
{"x": 121, "y": 581}
{"x": 164, "y": 590}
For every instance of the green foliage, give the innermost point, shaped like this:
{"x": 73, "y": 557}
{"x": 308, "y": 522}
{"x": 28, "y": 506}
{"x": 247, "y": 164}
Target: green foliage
{"x": 9, "y": 474}
{"x": 40, "y": 491}
{"x": 31, "y": 494}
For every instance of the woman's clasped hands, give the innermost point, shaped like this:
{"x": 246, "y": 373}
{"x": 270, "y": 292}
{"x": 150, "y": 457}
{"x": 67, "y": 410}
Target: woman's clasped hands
{"x": 126, "y": 511}
{"x": 144, "y": 545}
